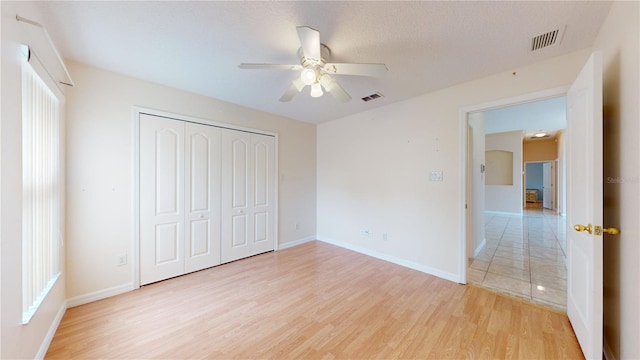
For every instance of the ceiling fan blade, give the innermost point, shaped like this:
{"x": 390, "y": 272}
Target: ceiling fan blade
{"x": 297, "y": 82}
{"x": 270, "y": 66}
{"x": 310, "y": 42}
{"x": 355, "y": 69}
{"x": 292, "y": 91}
{"x": 332, "y": 87}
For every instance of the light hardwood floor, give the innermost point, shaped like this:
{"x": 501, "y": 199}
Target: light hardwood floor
{"x": 312, "y": 301}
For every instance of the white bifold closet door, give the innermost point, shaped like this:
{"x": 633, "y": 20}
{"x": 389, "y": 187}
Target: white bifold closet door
{"x": 248, "y": 196}
{"x": 179, "y": 197}
{"x": 202, "y": 196}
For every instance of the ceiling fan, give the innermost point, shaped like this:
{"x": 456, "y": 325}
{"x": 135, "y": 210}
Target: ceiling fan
{"x": 315, "y": 71}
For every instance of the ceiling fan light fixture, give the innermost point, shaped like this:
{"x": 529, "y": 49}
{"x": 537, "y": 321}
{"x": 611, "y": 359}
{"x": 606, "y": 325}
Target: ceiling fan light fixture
{"x": 326, "y": 82}
{"x": 316, "y": 90}
{"x": 314, "y": 70}
{"x": 308, "y": 76}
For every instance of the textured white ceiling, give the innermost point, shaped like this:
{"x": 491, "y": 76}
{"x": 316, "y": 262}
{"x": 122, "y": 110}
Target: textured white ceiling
{"x": 197, "y": 45}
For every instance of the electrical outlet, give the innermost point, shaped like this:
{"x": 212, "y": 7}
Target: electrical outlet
{"x": 297, "y": 226}
{"x": 385, "y": 237}
{"x": 121, "y": 259}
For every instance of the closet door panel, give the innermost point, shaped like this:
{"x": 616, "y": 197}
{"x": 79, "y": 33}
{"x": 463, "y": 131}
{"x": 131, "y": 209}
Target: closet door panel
{"x": 167, "y": 243}
{"x": 236, "y": 194}
{"x": 261, "y": 188}
{"x": 239, "y": 231}
{"x": 161, "y": 198}
{"x": 168, "y": 164}
{"x": 261, "y": 228}
{"x": 200, "y": 244}
{"x": 263, "y": 153}
{"x": 200, "y": 166}
{"x": 202, "y": 196}
{"x": 239, "y": 167}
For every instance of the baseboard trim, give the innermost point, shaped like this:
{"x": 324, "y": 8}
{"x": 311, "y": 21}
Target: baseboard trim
{"x": 606, "y": 351}
{"x": 480, "y": 247}
{"x": 402, "y": 262}
{"x": 503, "y": 213}
{"x": 46, "y": 342}
{"x": 99, "y": 295}
{"x": 293, "y": 243}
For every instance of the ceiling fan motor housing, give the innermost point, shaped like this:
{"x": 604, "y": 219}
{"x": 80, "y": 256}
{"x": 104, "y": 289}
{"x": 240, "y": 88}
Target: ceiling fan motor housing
{"x": 325, "y": 54}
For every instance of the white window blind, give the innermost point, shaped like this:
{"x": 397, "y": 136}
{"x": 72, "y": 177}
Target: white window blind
{"x": 42, "y": 190}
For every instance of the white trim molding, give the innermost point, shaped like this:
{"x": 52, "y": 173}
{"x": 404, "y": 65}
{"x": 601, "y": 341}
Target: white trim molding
{"x": 99, "y": 295}
{"x": 503, "y": 213}
{"x": 46, "y": 342}
{"x": 480, "y": 247}
{"x": 290, "y": 244}
{"x": 392, "y": 259}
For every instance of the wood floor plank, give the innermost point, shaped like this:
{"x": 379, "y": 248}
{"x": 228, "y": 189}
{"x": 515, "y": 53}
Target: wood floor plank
{"x": 312, "y": 301}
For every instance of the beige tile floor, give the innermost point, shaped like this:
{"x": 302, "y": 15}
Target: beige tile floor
{"x": 524, "y": 257}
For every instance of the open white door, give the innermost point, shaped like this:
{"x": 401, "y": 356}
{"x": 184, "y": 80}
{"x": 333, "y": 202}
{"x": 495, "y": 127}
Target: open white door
{"x": 584, "y": 207}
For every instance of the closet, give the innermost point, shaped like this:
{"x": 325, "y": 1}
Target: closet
{"x": 248, "y": 169}
{"x": 206, "y": 196}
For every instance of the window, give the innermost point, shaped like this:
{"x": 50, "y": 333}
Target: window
{"x": 41, "y": 190}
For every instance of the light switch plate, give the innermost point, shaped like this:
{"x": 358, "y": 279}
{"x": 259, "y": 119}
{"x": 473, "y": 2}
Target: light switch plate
{"x": 435, "y": 176}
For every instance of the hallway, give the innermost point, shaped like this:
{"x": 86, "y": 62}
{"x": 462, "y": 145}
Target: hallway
{"x": 524, "y": 257}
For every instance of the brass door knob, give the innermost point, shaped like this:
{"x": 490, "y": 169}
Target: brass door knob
{"x": 599, "y": 230}
{"x": 580, "y": 228}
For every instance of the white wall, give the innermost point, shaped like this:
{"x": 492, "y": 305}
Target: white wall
{"x": 506, "y": 198}
{"x": 373, "y": 168}
{"x": 100, "y": 171}
{"x": 618, "y": 41}
{"x": 17, "y": 340}
{"x": 534, "y": 177}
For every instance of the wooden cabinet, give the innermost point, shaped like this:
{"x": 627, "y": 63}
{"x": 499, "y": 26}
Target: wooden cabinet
{"x": 532, "y": 195}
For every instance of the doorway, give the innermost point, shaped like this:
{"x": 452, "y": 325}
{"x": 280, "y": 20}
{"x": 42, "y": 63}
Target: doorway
{"x": 540, "y": 185}
{"x": 521, "y": 252}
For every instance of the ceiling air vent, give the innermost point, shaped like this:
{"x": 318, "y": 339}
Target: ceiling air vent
{"x": 372, "y": 97}
{"x": 547, "y": 39}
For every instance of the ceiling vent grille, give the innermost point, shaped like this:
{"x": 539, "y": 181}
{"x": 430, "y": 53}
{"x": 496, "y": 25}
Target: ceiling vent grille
{"x": 546, "y": 39}
{"x": 372, "y": 97}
